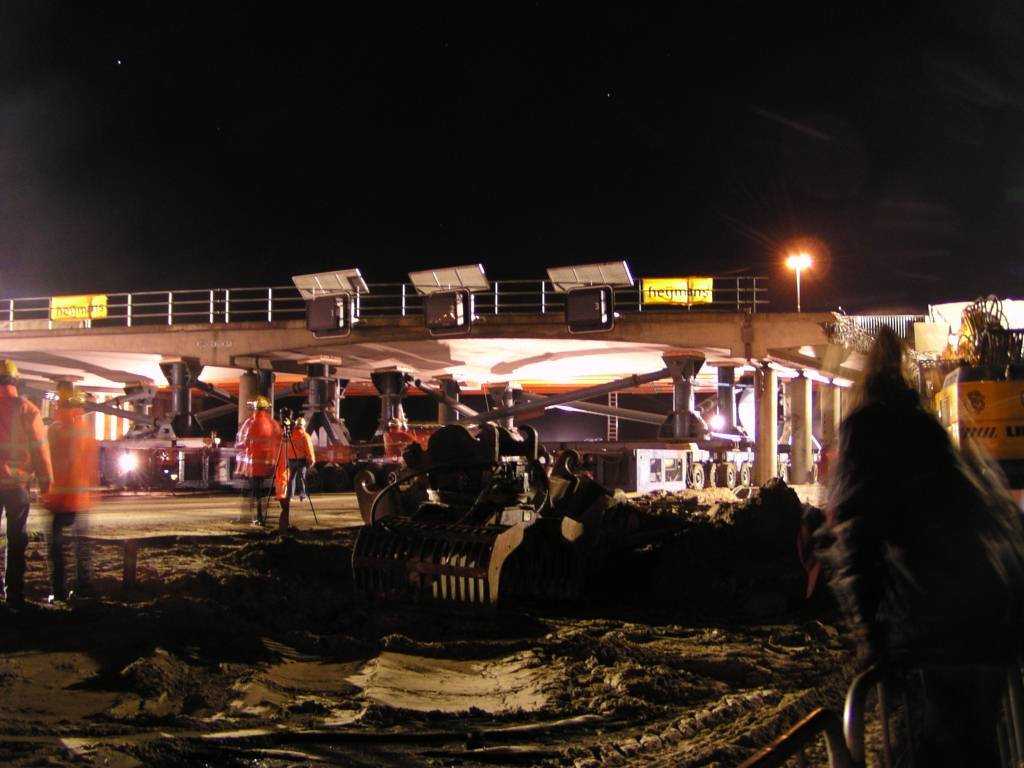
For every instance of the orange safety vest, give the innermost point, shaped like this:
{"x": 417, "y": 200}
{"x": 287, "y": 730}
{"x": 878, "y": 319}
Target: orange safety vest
{"x": 76, "y": 463}
{"x": 23, "y": 448}
{"x": 300, "y": 446}
{"x": 259, "y": 445}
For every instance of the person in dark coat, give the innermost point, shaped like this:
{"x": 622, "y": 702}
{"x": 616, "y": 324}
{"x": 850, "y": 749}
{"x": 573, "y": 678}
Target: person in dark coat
{"x": 929, "y": 559}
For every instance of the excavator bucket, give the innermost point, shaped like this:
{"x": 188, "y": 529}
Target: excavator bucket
{"x": 468, "y": 522}
{"x": 433, "y": 563}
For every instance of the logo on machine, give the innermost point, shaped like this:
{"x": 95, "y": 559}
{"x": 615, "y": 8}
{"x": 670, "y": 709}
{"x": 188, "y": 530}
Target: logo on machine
{"x": 976, "y": 400}
{"x": 212, "y": 344}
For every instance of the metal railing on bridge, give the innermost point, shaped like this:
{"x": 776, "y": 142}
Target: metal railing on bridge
{"x": 231, "y": 305}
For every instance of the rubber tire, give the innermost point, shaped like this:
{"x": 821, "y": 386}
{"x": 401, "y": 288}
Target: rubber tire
{"x": 696, "y": 477}
{"x": 314, "y": 481}
{"x": 342, "y": 479}
{"x": 746, "y": 477}
{"x": 725, "y": 475}
{"x": 336, "y": 478}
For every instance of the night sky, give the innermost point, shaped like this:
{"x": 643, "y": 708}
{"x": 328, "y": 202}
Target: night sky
{"x": 148, "y": 146}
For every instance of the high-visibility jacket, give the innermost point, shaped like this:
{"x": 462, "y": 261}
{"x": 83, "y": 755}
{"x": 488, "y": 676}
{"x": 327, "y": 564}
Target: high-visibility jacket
{"x": 300, "y": 446}
{"x": 259, "y": 445}
{"x": 282, "y": 473}
{"x": 23, "y": 448}
{"x": 76, "y": 463}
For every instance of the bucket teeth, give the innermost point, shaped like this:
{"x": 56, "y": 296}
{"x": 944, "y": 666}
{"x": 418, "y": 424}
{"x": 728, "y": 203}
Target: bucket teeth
{"x": 436, "y": 564}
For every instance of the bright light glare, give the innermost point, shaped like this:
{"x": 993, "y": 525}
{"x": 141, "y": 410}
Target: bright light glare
{"x": 127, "y": 462}
{"x": 717, "y": 422}
{"x": 799, "y": 261}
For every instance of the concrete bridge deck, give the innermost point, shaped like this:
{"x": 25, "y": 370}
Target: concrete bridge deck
{"x": 516, "y": 338}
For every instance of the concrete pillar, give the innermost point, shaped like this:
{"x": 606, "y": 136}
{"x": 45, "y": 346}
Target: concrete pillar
{"x": 265, "y": 386}
{"x": 830, "y": 398}
{"x": 248, "y": 383}
{"x": 766, "y": 407}
{"x": 802, "y": 419}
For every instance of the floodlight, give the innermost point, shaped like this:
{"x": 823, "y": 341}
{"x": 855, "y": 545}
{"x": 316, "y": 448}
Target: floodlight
{"x": 332, "y": 301}
{"x": 613, "y": 273}
{"x": 471, "y": 278}
{"x": 448, "y": 302}
{"x": 127, "y": 462}
{"x": 329, "y": 316}
{"x": 448, "y": 313}
{"x": 590, "y": 309}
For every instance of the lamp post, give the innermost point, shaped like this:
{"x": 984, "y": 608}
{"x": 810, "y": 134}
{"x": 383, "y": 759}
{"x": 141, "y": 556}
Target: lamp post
{"x": 798, "y": 262}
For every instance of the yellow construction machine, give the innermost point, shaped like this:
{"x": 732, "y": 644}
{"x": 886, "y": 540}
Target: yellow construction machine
{"x": 981, "y": 400}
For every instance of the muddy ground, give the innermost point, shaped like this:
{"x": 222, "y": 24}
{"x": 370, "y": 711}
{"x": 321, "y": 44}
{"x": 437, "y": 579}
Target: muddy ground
{"x": 246, "y": 649}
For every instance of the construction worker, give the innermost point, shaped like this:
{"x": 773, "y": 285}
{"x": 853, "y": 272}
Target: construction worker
{"x": 75, "y": 490}
{"x": 24, "y": 454}
{"x": 928, "y": 559}
{"x": 300, "y": 458}
{"x": 297, "y": 456}
{"x": 259, "y": 447}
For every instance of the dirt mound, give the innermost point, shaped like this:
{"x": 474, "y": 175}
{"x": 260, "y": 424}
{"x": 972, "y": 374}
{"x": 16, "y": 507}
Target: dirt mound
{"x": 251, "y": 650}
{"x": 733, "y": 559}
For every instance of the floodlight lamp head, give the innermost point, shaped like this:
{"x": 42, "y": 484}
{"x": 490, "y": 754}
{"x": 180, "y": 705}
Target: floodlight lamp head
{"x": 799, "y": 261}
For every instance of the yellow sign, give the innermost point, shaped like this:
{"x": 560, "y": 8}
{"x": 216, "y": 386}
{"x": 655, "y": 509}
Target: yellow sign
{"x": 78, "y": 308}
{"x": 676, "y": 290}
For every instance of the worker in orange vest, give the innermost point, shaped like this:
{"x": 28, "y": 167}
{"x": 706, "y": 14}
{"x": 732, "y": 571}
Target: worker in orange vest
{"x": 259, "y": 446}
{"x": 24, "y": 453}
{"x": 75, "y": 490}
{"x": 297, "y": 456}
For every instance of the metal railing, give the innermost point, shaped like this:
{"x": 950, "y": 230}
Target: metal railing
{"x": 792, "y": 743}
{"x": 278, "y": 303}
{"x": 845, "y": 741}
{"x": 854, "y": 712}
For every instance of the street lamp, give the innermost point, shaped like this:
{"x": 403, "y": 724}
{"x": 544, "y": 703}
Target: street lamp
{"x": 798, "y": 262}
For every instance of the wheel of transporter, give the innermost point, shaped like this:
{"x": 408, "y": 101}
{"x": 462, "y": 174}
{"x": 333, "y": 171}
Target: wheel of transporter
{"x": 342, "y": 479}
{"x": 331, "y": 476}
{"x": 391, "y": 475}
{"x": 725, "y": 475}
{"x": 314, "y": 481}
{"x": 696, "y": 476}
{"x": 745, "y": 475}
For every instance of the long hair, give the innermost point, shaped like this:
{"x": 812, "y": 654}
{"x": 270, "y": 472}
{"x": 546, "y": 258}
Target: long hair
{"x": 886, "y": 376}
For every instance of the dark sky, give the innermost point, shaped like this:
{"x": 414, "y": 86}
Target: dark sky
{"x": 178, "y": 145}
